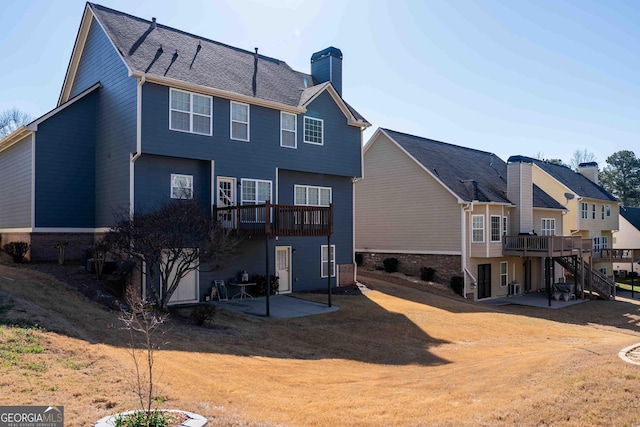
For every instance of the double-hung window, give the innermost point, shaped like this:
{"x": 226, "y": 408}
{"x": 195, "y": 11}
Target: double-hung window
{"x": 313, "y": 130}
{"x": 585, "y": 210}
{"x": 505, "y": 225}
{"x": 602, "y": 209}
{"x": 327, "y": 266}
{"x": 495, "y": 228}
{"x": 548, "y": 226}
{"x": 254, "y": 192}
{"x": 593, "y": 211}
{"x": 181, "y": 186}
{"x": 190, "y": 112}
{"x": 477, "y": 228}
{"x": 239, "y": 121}
{"x": 608, "y": 210}
{"x": 288, "y": 130}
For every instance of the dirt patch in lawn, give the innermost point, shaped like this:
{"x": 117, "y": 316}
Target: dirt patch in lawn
{"x": 395, "y": 355}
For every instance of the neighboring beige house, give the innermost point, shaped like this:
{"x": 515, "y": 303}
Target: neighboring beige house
{"x": 467, "y": 213}
{"x": 626, "y": 242}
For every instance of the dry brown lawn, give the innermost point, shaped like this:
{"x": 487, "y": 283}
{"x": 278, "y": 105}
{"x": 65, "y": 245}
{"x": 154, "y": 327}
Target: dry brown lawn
{"x": 395, "y": 356}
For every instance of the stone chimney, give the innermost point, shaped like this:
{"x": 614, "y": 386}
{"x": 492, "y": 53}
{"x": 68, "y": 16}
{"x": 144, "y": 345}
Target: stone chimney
{"x": 326, "y": 66}
{"x": 589, "y": 170}
{"x": 520, "y": 192}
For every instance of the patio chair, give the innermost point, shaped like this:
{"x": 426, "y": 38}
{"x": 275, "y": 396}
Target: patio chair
{"x": 220, "y": 289}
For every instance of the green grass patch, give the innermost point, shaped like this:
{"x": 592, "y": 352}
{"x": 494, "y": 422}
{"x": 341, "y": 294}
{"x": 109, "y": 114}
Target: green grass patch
{"x": 72, "y": 363}
{"x": 16, "y": 342}
{"x": 627, "y": 286}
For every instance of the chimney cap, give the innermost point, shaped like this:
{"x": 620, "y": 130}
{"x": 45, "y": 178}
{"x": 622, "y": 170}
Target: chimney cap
{"x": 330, "y": 51}
{"x": 588, "y": 164}
{"x": 519, "y": 159}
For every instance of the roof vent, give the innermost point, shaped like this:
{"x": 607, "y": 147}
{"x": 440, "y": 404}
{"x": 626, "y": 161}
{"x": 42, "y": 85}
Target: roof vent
{"x": 153, "y": 23}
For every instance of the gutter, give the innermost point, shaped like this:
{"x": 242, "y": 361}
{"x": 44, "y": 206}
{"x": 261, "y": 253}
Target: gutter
{"x": 135, "y": 156}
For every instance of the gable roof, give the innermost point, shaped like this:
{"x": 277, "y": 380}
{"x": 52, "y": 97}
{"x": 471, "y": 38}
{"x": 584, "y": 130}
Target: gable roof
{"x": 574, "y": 181}
{"x": 173, "y": 57}
{"x": 472, "y": 175}
{"x": 632, "y": 215}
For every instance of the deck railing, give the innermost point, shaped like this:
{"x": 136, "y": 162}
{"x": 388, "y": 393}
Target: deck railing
{"x": 276, "y": 220}
{"x": 544, "y": 245}
{"x": 617, "y": 255}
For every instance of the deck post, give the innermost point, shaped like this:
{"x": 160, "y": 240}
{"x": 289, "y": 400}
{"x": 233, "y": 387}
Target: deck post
{"x": 329, "y": 269}
{"x": 547, "y": 277}
{"x": 267, "y": 278}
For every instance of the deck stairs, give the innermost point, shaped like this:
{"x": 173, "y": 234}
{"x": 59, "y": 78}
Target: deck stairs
{"x": 594, "y": 279}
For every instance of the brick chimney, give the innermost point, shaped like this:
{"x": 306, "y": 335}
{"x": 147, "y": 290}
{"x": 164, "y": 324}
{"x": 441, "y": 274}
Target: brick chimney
{"x": 326, "y": 66}
{"x": 589, "y": 170}
{"x": 520, "y": 192}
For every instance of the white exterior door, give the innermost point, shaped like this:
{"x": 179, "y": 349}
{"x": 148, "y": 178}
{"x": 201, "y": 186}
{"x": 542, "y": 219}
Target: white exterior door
{"x": 187, "y": 291}
{"x": 226, "y": 198}
{"x": 283, "y": 268}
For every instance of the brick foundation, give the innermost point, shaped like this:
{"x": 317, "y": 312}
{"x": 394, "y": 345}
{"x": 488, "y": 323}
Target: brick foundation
{"x": 43, "y": 245}
{"x": 446, "y": 266}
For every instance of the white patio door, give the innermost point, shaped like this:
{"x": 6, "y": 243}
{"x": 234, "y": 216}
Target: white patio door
{"x": 283, "y": 268}
{"x": 226, "y": 198}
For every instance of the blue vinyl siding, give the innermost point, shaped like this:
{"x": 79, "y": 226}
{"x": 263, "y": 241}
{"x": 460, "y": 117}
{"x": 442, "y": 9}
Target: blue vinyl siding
{"x": 15, "y": 180}
{"x": 115, "y": 123}
{"x": 339, "y": 155}
{"x": 153, "y": 180}
{"x": 65, "y": 164}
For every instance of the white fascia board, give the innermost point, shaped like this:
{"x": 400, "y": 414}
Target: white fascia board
{"x": 54, "y": 230}
{"x": 424, "y": 168}
{"x": 206, "y": 90}
{"x": 34, "y": 124}
{"x": 14, "y": 137}
{"x": 78, "y": 48}
{"x": 351, "y": 120}
{"x": 406, "y": 251}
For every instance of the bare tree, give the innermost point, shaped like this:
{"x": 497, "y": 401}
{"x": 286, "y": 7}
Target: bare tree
{"x": 170, "y": 242}
{"x": 581, "y": 156}
{"x": 11, "y": 120}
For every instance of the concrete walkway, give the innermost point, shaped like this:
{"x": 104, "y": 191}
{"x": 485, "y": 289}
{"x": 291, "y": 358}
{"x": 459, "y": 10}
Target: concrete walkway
{"x": 536, "y": 299}
{"x": 280, "y": 306}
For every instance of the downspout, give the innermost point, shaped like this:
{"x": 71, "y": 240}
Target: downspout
{"x": 138, "y": 153}
{"x": 463, "y": 214}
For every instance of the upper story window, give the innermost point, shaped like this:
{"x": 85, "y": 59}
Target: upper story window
{"x": 313, "y": 130}
{"x": 239, "y": 121}
{"x": 608, "y": 208}
{"x": 288, "y": 130}
{"x": 602, "y": 209}
{"x": 477, "y": 228}
{"x": 585, "y": 210}
{"x": 190, "y": 112}
{"x": 495, "y": 228}
{"x": 505, "y": 225}
{"x": 255, "y": 191}
{"x": 181, "y": 186}
{"x": 307, "y": 195}
{"x": 548, "y": 226}
{"x": 593, "y": 211}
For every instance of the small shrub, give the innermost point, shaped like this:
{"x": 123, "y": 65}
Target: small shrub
{"x": 359, "y": 259}
{"x": 427, "y": 273}
{"x": 457, "y": 284}
{"x": 203, "y": 313}
{"x": 390, "y": 265}
{"x": 17, "y": 250}
{"x": 153, "y": 418}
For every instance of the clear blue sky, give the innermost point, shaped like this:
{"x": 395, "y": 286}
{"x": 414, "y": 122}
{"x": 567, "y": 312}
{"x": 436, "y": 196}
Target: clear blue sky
{"x": 511, "y": 77}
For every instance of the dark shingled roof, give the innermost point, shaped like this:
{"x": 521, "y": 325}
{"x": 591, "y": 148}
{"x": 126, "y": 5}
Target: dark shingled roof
{"x": 470, "y": 174}
{"x": 632, "y": 215}
{"x": 165, "y": 52}
{"x": 574, "y": 181}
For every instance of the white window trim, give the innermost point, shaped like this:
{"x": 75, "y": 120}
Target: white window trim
{"x": 256, "y": 181}
{"x": 543, "y": 229}
{"x": 322, "y": 261}
{"x": 231, "y": 121}
{"x": 505, "y": 275}
{"x": 191, "y": 113}
{"x": 505, "y": 226}
{"x": 584, "y": 209}
{"x": 608, "y": 210}
{"x": 304, "y": 136}
{"x": 499, "y": 239}
{"x": 603, "y": 213}
{"x": 173, "y": 178}
{"x": 474, "y": 229}
{"x": 307, "y": 187}
{"x": 295, "y": 129}
{"x": 593, "y": 211}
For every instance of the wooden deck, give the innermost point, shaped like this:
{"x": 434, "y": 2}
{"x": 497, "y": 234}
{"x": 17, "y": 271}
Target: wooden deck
{"x": 276, "y": 220}
{"x": 545, "y": 246}
{"x": 617, "y": 255}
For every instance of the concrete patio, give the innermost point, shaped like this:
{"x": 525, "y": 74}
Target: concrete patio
{"x": 534, "y": 299}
